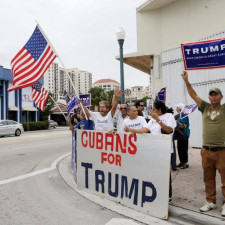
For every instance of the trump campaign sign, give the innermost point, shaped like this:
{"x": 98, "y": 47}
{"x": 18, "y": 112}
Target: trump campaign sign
{"x": 204, "y": 54}
{"x": 132, "y": 170}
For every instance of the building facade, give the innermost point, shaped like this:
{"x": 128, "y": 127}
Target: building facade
{"x": 57, "y": 80}
{"x": 106, "y": 84}
{"x": 16, "y": 105}
{"x": 137, "y": 92}
{"x": 162, "y": 26}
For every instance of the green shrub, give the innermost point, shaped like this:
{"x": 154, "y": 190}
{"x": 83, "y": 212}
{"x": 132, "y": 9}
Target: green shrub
{"x": 40, "y": 125}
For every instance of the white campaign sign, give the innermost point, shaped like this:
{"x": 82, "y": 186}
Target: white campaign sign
{"x": 129, "y": 169}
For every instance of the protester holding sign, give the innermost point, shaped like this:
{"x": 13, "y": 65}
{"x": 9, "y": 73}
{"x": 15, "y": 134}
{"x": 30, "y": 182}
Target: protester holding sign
{"x": 182, "y": 134}
{"x": 103, "y": 120}
{"x": 161, "y": 122}
{"x": 213, "y": 150}
{"x": 121, "y": 115}
{"x": 134, "y": 121}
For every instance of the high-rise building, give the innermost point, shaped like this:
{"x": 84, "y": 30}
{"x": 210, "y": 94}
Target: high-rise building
{"x": 57, "y": 80}
{"x": 51, "y": 80}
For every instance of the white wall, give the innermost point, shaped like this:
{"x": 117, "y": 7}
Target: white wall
{"x": 201, "y": 80}
{"x": 183, "y": 21}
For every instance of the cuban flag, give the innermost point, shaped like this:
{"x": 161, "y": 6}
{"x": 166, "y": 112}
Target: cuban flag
{"x": 187, "y": 110}
{"x": 32, "y": 61}
{"x": 161, "y": 96}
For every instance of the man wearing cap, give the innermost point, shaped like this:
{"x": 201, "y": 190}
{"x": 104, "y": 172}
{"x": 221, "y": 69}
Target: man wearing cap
{"x": 182, "y": 134}
{"x": 213, "y": 150}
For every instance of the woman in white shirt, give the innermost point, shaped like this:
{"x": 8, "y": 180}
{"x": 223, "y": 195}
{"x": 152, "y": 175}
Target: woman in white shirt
{"x": 162, "y": 122}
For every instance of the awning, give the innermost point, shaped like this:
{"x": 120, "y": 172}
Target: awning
{"x": 29, "y": 108}
{"x": 141, "y": 63}
{"x": 13, "y": 108}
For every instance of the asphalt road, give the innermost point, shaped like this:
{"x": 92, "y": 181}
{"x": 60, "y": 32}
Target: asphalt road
{"x": 33, "y": 192}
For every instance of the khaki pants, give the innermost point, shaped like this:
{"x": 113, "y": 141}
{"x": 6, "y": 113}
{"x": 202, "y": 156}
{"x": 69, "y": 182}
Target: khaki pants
{"x": 212, "y": 161}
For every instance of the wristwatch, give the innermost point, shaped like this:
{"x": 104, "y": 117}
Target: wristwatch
{"x": 159, "y": 121}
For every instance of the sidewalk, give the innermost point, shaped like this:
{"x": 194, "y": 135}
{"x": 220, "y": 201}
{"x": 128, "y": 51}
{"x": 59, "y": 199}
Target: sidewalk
{"x": 189, "y": 188}
{"x": 188, "y": 196}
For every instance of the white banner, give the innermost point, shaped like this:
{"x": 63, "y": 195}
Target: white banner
{"x": 129, "y": 169}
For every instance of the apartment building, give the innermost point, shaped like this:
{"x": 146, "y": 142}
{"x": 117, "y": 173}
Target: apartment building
{"x": 106, "y": 84}
{"x": 57, "y": 80}
{"x": 137, "y": 92}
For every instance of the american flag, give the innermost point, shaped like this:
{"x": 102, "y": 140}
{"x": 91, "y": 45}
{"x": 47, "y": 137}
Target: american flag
{"x": 31, "y": 62}
{"x": 39, "y": 95}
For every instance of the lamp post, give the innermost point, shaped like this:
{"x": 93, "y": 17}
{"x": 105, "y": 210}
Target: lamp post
{"x": 120, "y": 34}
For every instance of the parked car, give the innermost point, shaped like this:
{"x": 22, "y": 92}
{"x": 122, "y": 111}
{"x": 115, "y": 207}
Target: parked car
{"x": 10, "y": 127}
{"x": 53, "y": 124}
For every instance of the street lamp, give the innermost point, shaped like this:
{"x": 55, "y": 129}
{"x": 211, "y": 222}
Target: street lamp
{"x": 120, "y": 34}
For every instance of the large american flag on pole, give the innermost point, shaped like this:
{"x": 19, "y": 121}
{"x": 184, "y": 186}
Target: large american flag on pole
{"x": 39, "y": 95}
{"x": 31, "y": 62}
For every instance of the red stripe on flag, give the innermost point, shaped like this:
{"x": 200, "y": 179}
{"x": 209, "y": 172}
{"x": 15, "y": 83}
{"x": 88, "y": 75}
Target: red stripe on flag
{"x": 20, "y": 86}
{"x": 37, "y": 64}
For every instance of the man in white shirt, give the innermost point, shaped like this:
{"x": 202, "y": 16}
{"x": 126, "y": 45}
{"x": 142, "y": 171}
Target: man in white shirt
{"x": 104, "y": 118}
{"x": 121, "y": 115}
{"x": 134, "y": 121}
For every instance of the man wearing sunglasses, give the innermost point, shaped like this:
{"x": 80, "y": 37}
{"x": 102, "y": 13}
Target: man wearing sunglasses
{"x": 121, "y": 116}
{"x": 140, "y": 105}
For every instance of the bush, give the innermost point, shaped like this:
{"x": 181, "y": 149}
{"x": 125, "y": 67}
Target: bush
{"x": 40, "y": 125}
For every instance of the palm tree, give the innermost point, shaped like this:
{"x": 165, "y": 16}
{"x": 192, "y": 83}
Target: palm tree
{"x": 97, "y": 95}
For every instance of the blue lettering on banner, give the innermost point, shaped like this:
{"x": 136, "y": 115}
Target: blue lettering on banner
{"x": 115, "y": 193}
{"x": 87, "y": 166}
{"x": 147, "y": 187}
{"x": 99, "y": 181}
{"x": 204, "y": 55}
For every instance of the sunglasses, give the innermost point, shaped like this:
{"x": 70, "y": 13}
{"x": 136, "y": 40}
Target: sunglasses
{"x": 142, "y": 105}
{"x": 123, "y": 108}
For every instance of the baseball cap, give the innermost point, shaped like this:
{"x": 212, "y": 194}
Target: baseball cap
{"x": 214, "y": 89}
{"x": 180, "y": 105}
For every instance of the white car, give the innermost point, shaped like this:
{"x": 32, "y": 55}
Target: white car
{"x": 10, "y": 127}
{"x": 53, "y": 124}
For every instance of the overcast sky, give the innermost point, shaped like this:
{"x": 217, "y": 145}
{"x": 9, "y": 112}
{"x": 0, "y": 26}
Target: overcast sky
{"x": 81, "y": 31}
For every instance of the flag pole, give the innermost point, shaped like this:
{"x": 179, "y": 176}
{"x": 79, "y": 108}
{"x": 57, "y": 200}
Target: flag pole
{"x": 58, "y": 106}
{"x": 62, "y": 65}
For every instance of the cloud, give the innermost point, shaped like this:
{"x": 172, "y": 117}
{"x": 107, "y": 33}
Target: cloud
{"x": 82, "y": 32}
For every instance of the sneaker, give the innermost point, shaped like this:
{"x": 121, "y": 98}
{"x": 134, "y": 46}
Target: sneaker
{"x": 170, "y": 201}
{"x": 223, "y": 210}
{"x": 179, "y": 165}
{"x": 184, "y": 166}
{"x": 209, "y": 206}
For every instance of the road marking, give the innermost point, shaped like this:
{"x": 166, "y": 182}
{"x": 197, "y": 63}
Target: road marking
{"x": 120, "y": 221}
{"x": 35, "y": 173}
{"x": 30, "y": 146}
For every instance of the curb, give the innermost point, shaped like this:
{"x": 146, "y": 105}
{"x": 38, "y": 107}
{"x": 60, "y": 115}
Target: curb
{"x": 177, "y": 215}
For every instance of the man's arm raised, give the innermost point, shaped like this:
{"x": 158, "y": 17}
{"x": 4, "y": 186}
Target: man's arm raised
{"x": 190, "y": 89}
{"x": 115, "y": 100}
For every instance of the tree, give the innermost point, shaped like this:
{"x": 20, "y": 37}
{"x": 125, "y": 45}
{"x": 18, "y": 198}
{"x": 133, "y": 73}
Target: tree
{"x": 109, "y": 96}
{"x": 97, "y": 95}
{"x": 48, "y": 106}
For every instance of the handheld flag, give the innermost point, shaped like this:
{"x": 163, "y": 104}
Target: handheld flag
{"x": 31, "y": 62}
{"x": 72, "y": 104}
{"x": 161, "y": 96}
{"x": 39, "y": 95}
{"x": 187, "y": 110}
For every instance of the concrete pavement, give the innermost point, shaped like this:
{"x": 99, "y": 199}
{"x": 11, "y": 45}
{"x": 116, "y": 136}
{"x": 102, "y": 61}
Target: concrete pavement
{"x": 188, "y": 196}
